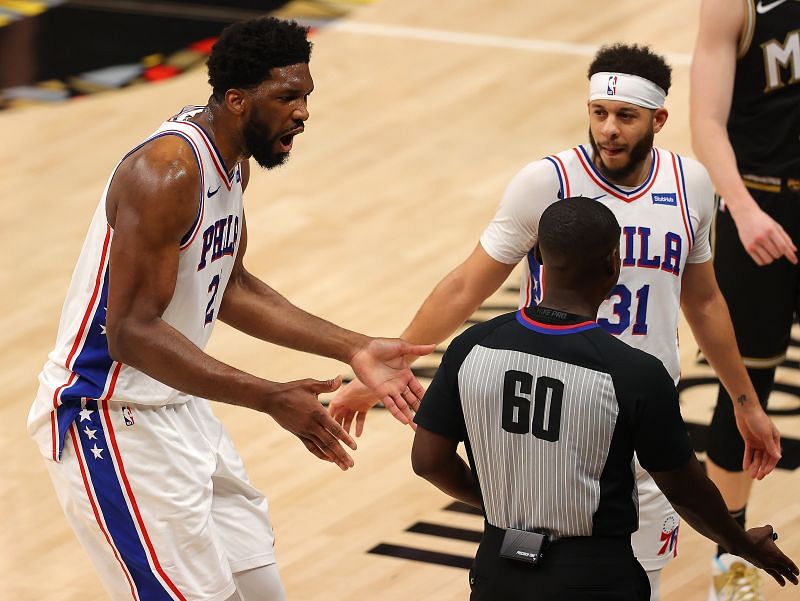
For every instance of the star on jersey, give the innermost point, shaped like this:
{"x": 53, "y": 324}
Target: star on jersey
{"x": 86, "y": 414}
{"x": 97, "y": 452}
{"x": 103, "y": 329}
{"x": 90, "y": 433}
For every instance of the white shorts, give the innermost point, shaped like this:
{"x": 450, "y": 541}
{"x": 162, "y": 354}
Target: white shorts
{"x": 159, "y": 498}
{"x": 655, "y": 543}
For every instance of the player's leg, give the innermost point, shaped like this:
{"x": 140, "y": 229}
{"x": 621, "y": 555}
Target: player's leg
{"x": 240, "y": 518}
{"x": 260, "y": 584}
{"x": 136, "y": 489}
{"x": 655, "y": 543}
{"x": 762, "y": 335}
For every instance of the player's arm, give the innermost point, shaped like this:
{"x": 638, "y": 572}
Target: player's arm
{"x": 253, "y": 307}
{"x": 649, "y": 406}
{"x": 698, "y": 501}
{"x": 435, "y": 459}
{"x": 707, "y": 314}
{"x": 712, "y": 78}
{"x": 152, "y": 203}
{"x": 507, "y": 239}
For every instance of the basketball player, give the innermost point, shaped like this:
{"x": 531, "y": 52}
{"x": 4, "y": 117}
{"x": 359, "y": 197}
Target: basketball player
{"x": 746, "y": 130}
{"x": 551, "y": 408}
{"x": 147, "y": 476}
{"x": 665, "y": 204}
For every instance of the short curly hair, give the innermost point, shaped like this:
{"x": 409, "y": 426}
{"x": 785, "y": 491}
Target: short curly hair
{"x": 247, "y": 51}
{"x": 633, "y": 60}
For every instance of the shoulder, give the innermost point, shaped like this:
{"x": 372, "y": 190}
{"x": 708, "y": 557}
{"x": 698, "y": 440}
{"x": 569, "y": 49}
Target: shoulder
{"x": 634, "y": 369}
{"x": 462, "y": 344}
{"x": 693, "y": 170}
{"x": 167, "y": 161}
{"x": 160, "y": 181}
{"x": 536, "y": 174}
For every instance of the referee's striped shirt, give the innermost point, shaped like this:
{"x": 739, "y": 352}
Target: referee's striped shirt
{"x": 551, "y": 409}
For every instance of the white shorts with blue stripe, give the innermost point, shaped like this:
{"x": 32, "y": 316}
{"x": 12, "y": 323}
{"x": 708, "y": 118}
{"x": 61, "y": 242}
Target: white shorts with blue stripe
{"x": 159, "y": 498}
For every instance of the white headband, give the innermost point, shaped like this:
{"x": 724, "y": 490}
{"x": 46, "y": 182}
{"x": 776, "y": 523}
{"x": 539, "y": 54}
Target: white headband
{"x": 626, "y": 88}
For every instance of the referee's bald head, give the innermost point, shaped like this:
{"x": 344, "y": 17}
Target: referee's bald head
{"x": 578, "y": 236}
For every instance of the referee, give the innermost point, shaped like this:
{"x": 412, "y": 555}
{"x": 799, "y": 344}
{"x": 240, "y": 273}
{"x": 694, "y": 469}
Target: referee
{"x": 551, "y": 409}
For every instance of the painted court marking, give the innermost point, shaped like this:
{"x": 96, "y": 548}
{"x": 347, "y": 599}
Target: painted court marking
{"x": 480, "y": 40}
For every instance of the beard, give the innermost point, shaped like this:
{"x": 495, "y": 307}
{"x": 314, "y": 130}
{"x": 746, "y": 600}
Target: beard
{"x": 259, "y": 143}
{"x": 638, "y": 154}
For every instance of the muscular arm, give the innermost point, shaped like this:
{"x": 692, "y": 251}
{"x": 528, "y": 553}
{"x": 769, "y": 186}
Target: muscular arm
{"x": 151, "y": 204}
{"x": 707, "y": 314}
{"x": 698, "y": 502}
{"x": 253, "y": 307}
{"x": 712, "y": 78}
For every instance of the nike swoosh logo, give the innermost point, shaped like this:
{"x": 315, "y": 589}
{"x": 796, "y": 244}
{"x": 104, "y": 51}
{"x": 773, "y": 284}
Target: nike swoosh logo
{"x": 762, "y": 8}
{"x": 210, "y": 193}
{"x": 599, "y": 197}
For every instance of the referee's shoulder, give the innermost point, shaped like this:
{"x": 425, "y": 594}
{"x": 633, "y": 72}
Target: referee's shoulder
{"x": 474, "y": 334}
{"x": 627, "y": 361}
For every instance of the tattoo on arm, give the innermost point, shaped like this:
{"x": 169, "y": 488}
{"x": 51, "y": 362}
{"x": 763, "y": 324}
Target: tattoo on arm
{"x": 742, "y": 399}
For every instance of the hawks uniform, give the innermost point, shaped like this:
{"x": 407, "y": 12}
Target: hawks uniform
{"x": 764, "y": 131}
{"x": 665, "y": 224}
{"x": 139, "y": 467}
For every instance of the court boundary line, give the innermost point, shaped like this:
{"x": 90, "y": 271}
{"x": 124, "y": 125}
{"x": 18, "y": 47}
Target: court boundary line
{"x": 480, "y": 40}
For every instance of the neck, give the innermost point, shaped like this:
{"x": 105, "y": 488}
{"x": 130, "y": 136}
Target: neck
{"x": 215, "y": 124}
{"x": 570, "y": 301}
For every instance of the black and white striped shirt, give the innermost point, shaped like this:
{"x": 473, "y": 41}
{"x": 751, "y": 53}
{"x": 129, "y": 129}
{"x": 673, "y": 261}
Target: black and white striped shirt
{"x": 551, "y": 409}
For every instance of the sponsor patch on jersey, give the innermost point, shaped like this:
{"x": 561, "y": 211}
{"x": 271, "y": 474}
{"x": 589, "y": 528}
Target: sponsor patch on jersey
{"x": 665, "y": 198}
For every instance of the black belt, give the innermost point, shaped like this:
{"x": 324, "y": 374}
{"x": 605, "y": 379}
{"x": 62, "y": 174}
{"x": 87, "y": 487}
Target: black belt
{"x": 776, "y": 185}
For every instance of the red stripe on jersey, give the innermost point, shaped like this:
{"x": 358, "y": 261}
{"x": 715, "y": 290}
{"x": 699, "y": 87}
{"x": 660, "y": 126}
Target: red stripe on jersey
{"x": 618, "y": 193}
{"x": 113, "y": 383}
{"x": 681, "y": 200}
{"x": 564, "y": 175}
{"x": 129, "y": 492}
{"x": 87, "y": 315}
{"x": 212, "y": 151}
{"x": 90, "y": 496}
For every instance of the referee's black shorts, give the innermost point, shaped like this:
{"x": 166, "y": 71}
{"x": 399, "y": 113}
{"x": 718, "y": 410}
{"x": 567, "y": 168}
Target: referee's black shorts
{"x": 571, "y": 569}
{"x": 762, "y": 300}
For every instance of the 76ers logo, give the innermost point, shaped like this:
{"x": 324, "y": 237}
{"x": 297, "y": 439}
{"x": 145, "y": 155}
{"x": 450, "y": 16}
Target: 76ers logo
{"x": 612, "y": 85}
{"x": 669, "y": 537}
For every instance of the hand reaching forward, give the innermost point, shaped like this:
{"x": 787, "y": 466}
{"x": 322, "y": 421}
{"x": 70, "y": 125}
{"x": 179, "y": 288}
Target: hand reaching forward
{"x": 353, "y": 401}
{"x": 298, "y": 410}
{"x": 763, "y": 553}
{"x": 762, "y": 441}
{"x": 382, "y": 367}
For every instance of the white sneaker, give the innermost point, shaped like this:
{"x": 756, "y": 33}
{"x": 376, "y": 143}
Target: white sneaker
{"x": 734, "y": 579}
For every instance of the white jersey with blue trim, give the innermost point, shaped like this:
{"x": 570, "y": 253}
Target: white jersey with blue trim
{"x": 80, "y": 366}
{"x": 665, "y": 224}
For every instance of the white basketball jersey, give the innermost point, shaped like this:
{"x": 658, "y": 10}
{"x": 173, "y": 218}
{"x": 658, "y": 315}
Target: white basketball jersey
{"x": 665, "y": 223}
{"x": 80, "y": 366}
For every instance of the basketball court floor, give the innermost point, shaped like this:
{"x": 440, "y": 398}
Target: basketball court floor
{"x": 422, "y": 113}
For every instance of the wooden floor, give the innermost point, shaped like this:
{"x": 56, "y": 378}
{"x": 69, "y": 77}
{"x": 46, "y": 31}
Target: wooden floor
{"x": 422, "y": 113}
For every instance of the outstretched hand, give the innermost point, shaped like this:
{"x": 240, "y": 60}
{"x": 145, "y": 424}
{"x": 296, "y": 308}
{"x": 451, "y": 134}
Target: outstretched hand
{"x": 762, "y": 442}
{"x": 382, "y": 367}
{"x": 765, "y": 554}
{"x": 299, "y": 411}
{"x": 352, "y": 403}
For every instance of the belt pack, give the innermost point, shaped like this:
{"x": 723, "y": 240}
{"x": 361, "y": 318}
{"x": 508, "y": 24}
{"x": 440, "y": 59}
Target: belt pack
{"x": 523, "y": 546}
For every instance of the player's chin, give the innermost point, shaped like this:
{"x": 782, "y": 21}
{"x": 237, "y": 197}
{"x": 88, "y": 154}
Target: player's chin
{"x": 271, "y": 160}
